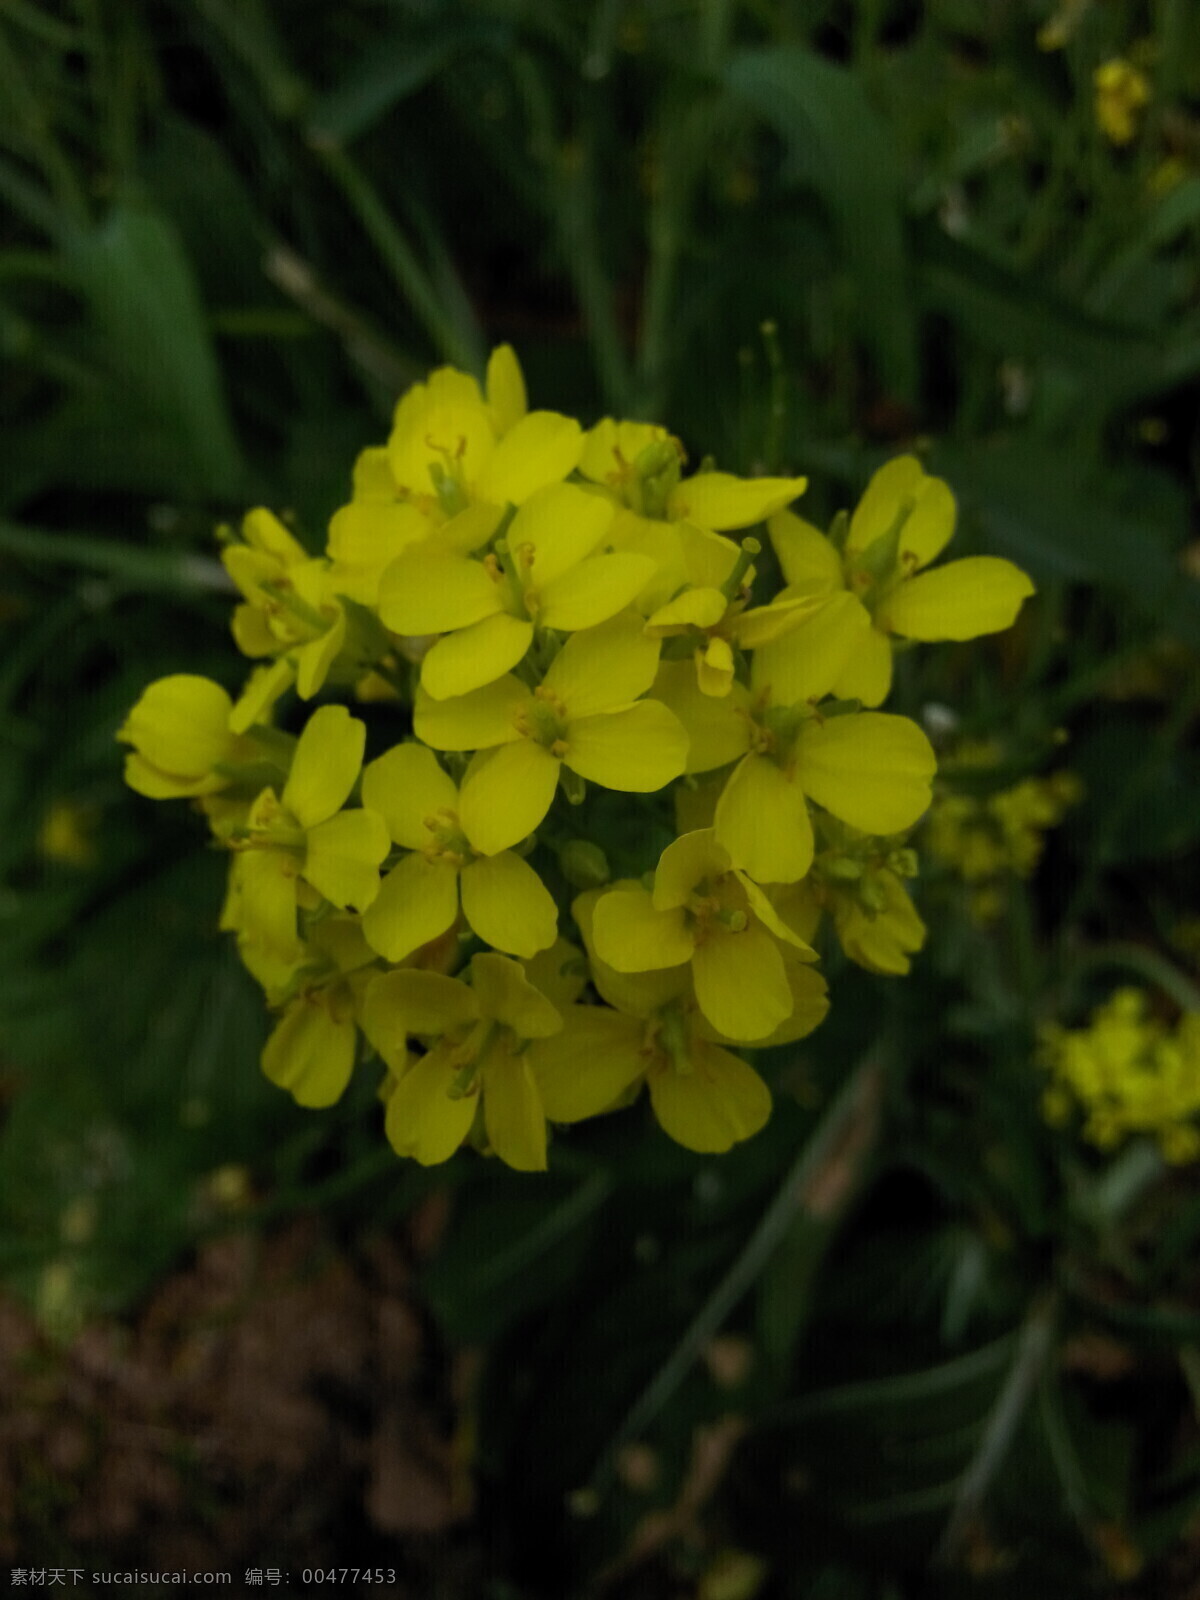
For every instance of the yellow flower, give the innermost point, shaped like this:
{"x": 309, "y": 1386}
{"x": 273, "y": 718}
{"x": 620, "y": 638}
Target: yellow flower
{"x": 301, "y": 847}
{"x": 704, "y": 1097}
{"x": 904, "y": 521}
{"x": 503, "y": 899}
{"x": 451, "y": 446}
{"x": 1121, "y": 93}
{"x": 871, "y": 769}
{"x": 542, "y": 574}
{"x": 476, "y": 1037}
{"x": 365, "y": 538}
{"x": 311, "y": 1050}
{"x": 639, "y": 466}
{"x": 179, "y": 730}
{"x": 585, "y": 716}
{"x": 66, "y": 834}
{"x": 704, "y": 911}
{"x": 1130, "y": 1074}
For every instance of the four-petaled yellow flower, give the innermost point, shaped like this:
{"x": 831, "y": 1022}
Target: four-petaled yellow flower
{"x": 704, "y": 911}
{"x": 543, "y": 573}
{"x": 476, "y": 1060}
{"x": 585, "y": 715}
{"x": 503, "y": 899}
{"x": 301, "y": 847}
{"x": 904, "y": 521}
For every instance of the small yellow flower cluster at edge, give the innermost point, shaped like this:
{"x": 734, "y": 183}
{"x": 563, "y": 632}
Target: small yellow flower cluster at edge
{"x": 986, "y": 839}
{"x": 1128, "y": 1073}
{"x": 563, "y": 611}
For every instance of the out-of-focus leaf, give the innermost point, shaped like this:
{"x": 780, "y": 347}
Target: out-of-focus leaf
{"x": 391, "y": 70}
{"x": 839, "y": 146}
{"x": 1039, "y": 508}
{"x": 511, "y": 1249}
{"x": 165, "y": 383}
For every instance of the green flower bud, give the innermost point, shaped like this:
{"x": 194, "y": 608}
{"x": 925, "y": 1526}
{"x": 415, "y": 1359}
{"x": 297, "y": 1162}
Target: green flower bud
{"x": 584, "y": 865}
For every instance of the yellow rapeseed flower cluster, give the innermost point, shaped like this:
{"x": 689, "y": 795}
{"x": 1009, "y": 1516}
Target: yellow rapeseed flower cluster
{"x": 539, "y": 617}
{"x": 1128, "y": 1073}
{"x": 985, "y": 840}
{"x": 1122, "y": 93}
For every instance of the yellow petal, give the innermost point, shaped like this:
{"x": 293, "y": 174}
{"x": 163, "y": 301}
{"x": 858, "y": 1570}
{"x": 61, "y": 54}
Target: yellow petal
{"x": 694, "y": 608}
{"x": 474, "y": 721}
{"x": 882, "y": 942}
{"x": 343, "y": 856}
{"x": 427, "y": 589}
{"x": 716, "y": 1105}
{"x": 762, "y": 820}
{"x": 807, "y": 557}
{"x": 718, "y": 500}
{"x": 313, "y": 660}
{"x": 930, "y": 524}
{"x": 146, "y": 780}
{"x": 714, "y": 669}
{"x": 310, "y": 1054}
{"x": 470, "y": 529}
{"x": 764, "y": 910}
{"x": 252, "y": 632}
{"x": 789, "y": 608}
{"x": 636, "y": 750}
{"x": 559, "y": 972}
{"x": 871, "y": 769}
{"x": 364, "y": 538}
{"x": 611, "y": 448}
{"x": 506, "y": 994}
{"x": 708, "y": 557}
{"x": 181, "y": 726}
{"x": 504, "y": 386}
{"x": 263, "y": 688}
{"x": 741, "y": 983}
{"x": 594, "y": 591}
{"x": 804, "y": 663}
{"x": 581, "y": 1071}
{"x": 405, "y": 786}
{"x": 325, "y": 765}
{"x": 660, "y": 541}
{"x": 867, "y": 676}
{"x": 416, "y": 903}
{"x": 962, "y": 600}
{"x": 262, "y": 530}
{"x": 810, "y": 1006}
{"x": 512, "y": 1110}
{"x": 412, "y": 1001}
{"x": 638, "y": 994}
{"x": 476, "y": 656}
{"x": 372, "y": 477}
{"x": 540, "y": 449}
{"x": 685, "y": 863}
{"x": 266, "y": 885}
{"x": 632, "y": 936}
{"x": 505, "y": 795}
{"x": 508, "y": 905}
{"x": 555, "y": 530}
{"x": 718, "y": 729}
{"x": 604, "y": 667}
{"x": 422, "y": 1120}
{"x": 442, "y": 421}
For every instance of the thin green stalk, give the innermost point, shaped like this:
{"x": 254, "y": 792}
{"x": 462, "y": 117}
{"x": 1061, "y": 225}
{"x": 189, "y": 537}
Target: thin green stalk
{"x": 1033, "y": 1351}
{"x": 858, "y": 1098}
{"x": 455, "y": 343}
{"x": 1154, "y": 968}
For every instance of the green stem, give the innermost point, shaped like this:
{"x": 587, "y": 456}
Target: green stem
{"x": 1033, "y": 1351}
{"x": 456, "y": 344}
{"x": 855, "y": 1106}
{"x": 1153, "y": 967}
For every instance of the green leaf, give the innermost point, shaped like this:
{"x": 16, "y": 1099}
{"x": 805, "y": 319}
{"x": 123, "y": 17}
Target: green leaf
{"x": 839, "y": 146}
{"x": 391, "y": 70}
{"x": 163, "y": 410}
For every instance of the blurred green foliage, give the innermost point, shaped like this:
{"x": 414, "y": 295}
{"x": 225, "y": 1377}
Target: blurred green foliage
{"x": 804, "y": 233}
